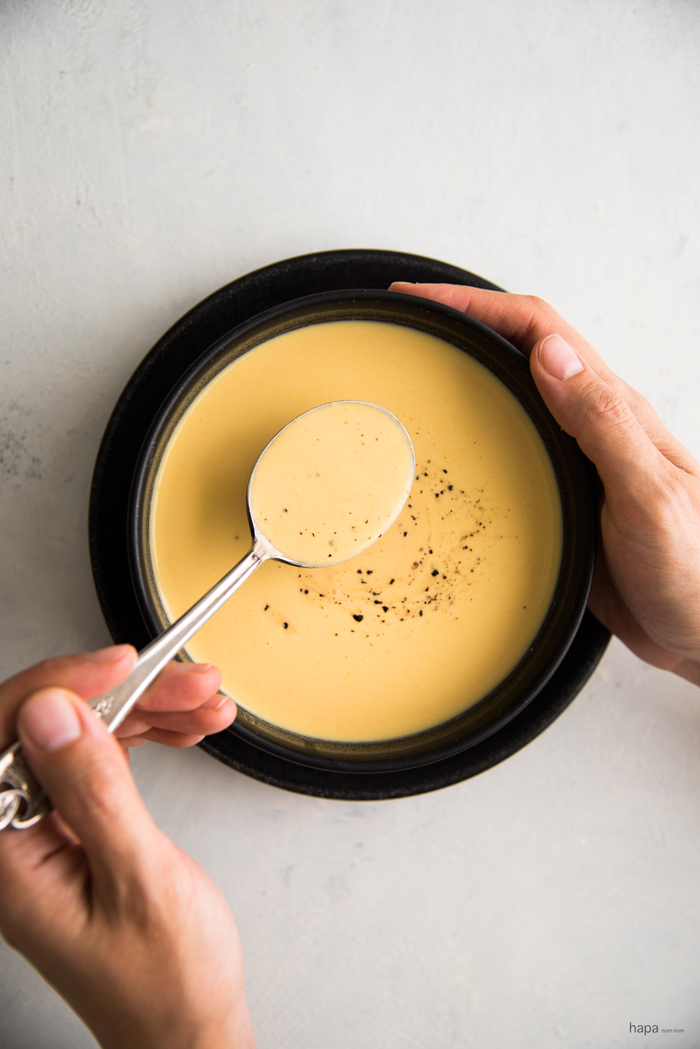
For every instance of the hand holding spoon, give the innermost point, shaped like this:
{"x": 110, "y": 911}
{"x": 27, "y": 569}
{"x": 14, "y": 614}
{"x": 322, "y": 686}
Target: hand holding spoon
{"x": 323, "y": 490}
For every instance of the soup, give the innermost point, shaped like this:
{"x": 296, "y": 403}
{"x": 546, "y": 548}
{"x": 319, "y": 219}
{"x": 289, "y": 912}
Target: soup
{"x": 425, "y": 622}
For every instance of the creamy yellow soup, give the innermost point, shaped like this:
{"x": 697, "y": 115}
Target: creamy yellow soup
{"x": 427, "y": 620}
{"x": 332, "y": 482}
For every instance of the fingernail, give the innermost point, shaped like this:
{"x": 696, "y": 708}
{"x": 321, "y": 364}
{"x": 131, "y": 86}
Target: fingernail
{"x": 197, "y": 668}
{"x": 108, "y": 655}
{"x": 49, "y": 720}
{"x": 558, "y": 358}
{"x": 214, "y": 702}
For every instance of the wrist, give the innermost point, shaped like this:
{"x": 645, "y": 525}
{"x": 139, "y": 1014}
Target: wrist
{"x": 231, "y": 1036}
{"x": 235, "y": 1033}
{"x": 237, "y": 1036}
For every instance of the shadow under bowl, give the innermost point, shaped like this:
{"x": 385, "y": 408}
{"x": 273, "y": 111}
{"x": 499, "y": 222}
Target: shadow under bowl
{"x": 572, "y": 471}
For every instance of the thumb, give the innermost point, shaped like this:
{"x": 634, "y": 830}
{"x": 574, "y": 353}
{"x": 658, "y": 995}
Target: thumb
{"x": 598, "y": 416}
{"x": 82, "y": 769}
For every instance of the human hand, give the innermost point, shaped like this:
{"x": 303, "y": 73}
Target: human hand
{"x": 646, "y": 587}
{"x": 178, "y": 709}
{"x": 127, "y": 928}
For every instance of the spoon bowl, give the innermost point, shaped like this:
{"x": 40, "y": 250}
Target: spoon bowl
{"x": 330, "y": 483}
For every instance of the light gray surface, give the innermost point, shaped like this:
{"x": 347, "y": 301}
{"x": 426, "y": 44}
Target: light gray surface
{"x": 156, "y": 150}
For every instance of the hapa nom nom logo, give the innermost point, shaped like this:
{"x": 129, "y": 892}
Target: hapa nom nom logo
{"x": 654, "y": 1029}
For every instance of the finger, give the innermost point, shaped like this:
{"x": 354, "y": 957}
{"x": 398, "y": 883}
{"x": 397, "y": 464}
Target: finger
{"x": 200, "y": 722}
{"x": 183, "y": 704}
{"x": 87, "y": 673}
{"x": 522, "y": 319}
{"x": 602, "y": 422}
{"x": 526, "y": 320}
{"x": 84, "y": 773}
{"x": 175, "y": 740}
{"x": 669, "y": 446}
{"x": 182, "y": 686}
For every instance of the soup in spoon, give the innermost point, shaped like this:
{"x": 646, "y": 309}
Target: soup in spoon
{"x": 332, "y": 482}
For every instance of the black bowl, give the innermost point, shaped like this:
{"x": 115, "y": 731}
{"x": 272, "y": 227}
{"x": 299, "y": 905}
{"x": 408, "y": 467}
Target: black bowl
{"x": 572, "y": 472}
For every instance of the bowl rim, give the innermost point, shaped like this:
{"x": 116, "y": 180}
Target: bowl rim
{"x": 572, "y": 469}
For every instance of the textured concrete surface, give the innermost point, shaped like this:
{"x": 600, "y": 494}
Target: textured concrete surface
{"x": 155, "y": 150}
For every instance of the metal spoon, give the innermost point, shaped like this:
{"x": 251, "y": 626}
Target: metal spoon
{"x": 22, "y": 801}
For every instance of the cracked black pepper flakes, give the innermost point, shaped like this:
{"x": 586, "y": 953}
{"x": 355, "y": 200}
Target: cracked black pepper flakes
{"x": 443, "y": 581}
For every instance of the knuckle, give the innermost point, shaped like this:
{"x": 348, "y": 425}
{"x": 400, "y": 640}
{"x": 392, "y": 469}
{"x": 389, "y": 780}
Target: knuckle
{"x": 537, "y": 303}
{"x": 665, "y": 532}
{"x": 673, "y": 505}
{"x": 668, "y": 516}
{"x": 607, "y": 407}
{"x": 539, "y": 309}
{"x": 50, "y": 668}
{"x": 538, "y": 317}
{"x": 643, "y": 408}
{"x": 58, "y": 665}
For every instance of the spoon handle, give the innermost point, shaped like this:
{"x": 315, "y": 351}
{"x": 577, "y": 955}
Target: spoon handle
{"x": 113, "y": 706}
{"x": 22, "y": 801}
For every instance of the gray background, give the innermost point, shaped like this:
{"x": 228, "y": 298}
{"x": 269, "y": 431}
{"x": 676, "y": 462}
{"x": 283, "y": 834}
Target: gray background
{"x": 153, "y": 150}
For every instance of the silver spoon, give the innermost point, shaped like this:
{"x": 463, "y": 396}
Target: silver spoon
{"x": 22, "y": 801}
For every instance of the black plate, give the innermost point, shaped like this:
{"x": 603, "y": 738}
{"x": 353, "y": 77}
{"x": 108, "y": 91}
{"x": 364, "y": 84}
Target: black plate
{"x": 116, "y": 464}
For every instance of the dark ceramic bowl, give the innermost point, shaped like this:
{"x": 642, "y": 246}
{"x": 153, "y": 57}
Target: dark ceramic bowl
{"x": 572, "y": 471}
